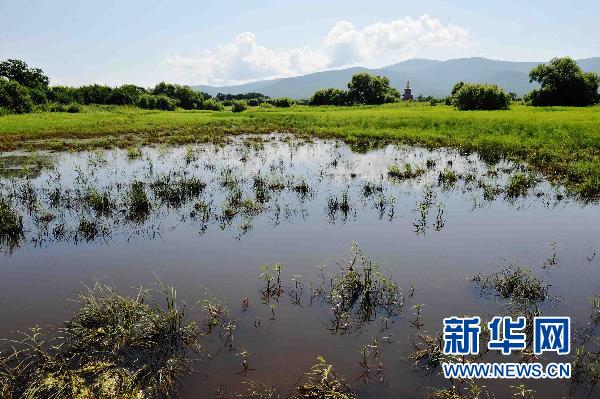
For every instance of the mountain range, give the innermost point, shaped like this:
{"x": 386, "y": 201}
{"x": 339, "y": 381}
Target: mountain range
{"x": 427, "y": 77}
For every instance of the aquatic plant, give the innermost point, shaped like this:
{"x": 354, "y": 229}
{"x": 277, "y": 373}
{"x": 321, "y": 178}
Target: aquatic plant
{"x": 405, "y": 173}
{"x": 271, "y": 275}
{"x": 359, "y": 291}
{"x": 114, "y": 346}
{"x": 371, "y": 358}
{"x": 519, "y": 184}
{"x": 89, "y": 229}
{"x": 134, "y": 152}
{"x": 342, "y": 205}
{"x": 460, "y": 389}
{"x": 427, "y": 355}
{"x": 369, "y": 188}
{"x": 138, "y": 203}
{"x": 302, "y": 188}
{"x": 447, "y": 178}
{"x": 11, "y": 223}
{"x": 322, "y": 382}
{"x": 586, "y": 369}
{"x": 100, "y": 202}
{"x": 217, "y": 314}
{"x": 515, "y": 283}
{"x": 175, "y": 190}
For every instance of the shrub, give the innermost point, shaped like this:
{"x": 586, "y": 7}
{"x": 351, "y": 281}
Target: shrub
{"x": 94, "y": 94}
{"x": 282, "y": 102}
{"x": 563, "y": 83}
{"x": 162, "y": 102}
{"x": 227, "y": 98}
{"x": 212, "y": 105}
{"x": 73, "y": 108}
{"x": 63, "y": 95}
{"x": 126, "y": 95}
{"x": 474, "y": 96}
{"x": 185, "y": 96}
{"x": 239, "y": 105}
{"x": 330, "y": 96}
{"x": 15, "y": 97}
{"x": 38, "y": 95}
{"x": 165, "y": 103}
{"x": 253, "y": 102}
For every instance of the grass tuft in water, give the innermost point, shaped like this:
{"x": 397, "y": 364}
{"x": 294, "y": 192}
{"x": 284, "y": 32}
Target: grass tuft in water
{"x": 114, "y": 346}
{"x": 138, "y": 203}
{"x": 395, "y": 172}
{"x": 322, "y": 382}
{"x": 134, "y": 153}
{"x": 515, "y": 283}
{"x": 360, "y": 291}
{"x": 11, "y": 223}
{"x": 100, "y": 202}
{"x": 447, "y": 178}
{"x": 519, "y": 184}
{"x": 175, "y": 190}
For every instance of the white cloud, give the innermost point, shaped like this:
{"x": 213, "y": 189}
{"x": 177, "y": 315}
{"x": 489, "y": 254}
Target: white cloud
{"x": 244, "y": 60}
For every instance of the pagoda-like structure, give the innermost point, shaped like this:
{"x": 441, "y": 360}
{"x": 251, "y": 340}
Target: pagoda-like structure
{"x": 407, "y": 92}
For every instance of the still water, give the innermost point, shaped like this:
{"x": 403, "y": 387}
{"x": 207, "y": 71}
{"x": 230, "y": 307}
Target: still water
{"x": 302, "y": 204}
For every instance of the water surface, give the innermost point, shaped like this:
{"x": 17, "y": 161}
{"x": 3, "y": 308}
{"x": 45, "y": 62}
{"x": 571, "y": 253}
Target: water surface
{"x": 278, "y": 199}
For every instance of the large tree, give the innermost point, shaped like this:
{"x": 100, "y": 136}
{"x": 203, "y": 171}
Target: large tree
{"x": 563, "y": 83}
{"x": 20, "y": 72}
{"x": 365, "y": 88}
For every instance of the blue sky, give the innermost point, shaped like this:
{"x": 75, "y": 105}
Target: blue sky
{"x": 225, "y": 42}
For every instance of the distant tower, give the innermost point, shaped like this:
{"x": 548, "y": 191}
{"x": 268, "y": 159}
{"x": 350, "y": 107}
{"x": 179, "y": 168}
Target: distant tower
{"x": 407, "y": 92}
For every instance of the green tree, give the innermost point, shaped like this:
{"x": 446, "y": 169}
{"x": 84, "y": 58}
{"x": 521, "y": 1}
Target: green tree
{"x": 15, "y": 97}
{"x": 563, "y": 83}
{"x": 475, "y": 96}
{"x": 20, "y": 72}
{"x": 365, "y": 88}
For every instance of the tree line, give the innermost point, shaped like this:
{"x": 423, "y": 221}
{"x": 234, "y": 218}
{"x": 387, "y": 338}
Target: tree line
{"x": 24, "y": 89}
{"x": 562, "y": 82}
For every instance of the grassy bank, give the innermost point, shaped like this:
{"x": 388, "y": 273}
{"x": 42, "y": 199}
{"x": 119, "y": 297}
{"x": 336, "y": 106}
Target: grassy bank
{"x": 563, "y": 143}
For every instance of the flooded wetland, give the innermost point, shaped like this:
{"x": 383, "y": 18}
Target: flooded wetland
{"x": 287, "y": 256}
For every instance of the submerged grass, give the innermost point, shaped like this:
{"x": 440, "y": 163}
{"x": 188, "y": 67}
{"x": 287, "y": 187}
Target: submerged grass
{"x": 561, "y": 142}
{"x": 114, "y": 347}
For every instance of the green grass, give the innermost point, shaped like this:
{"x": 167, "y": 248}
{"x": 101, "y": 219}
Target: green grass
{"x": 563, "y": 143}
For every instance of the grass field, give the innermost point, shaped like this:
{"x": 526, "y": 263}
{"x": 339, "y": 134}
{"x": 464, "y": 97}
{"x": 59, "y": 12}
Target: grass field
{"x": 563, "y": 143}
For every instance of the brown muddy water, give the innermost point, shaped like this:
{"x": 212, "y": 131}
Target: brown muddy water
{"x": 214, "y": 214}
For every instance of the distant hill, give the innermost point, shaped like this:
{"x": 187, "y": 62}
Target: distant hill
{"x": 427, "y": 77}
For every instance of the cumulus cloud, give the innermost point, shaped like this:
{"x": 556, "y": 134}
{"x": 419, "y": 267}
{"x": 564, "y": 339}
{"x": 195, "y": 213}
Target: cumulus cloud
{"x": 243, "y": 60}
